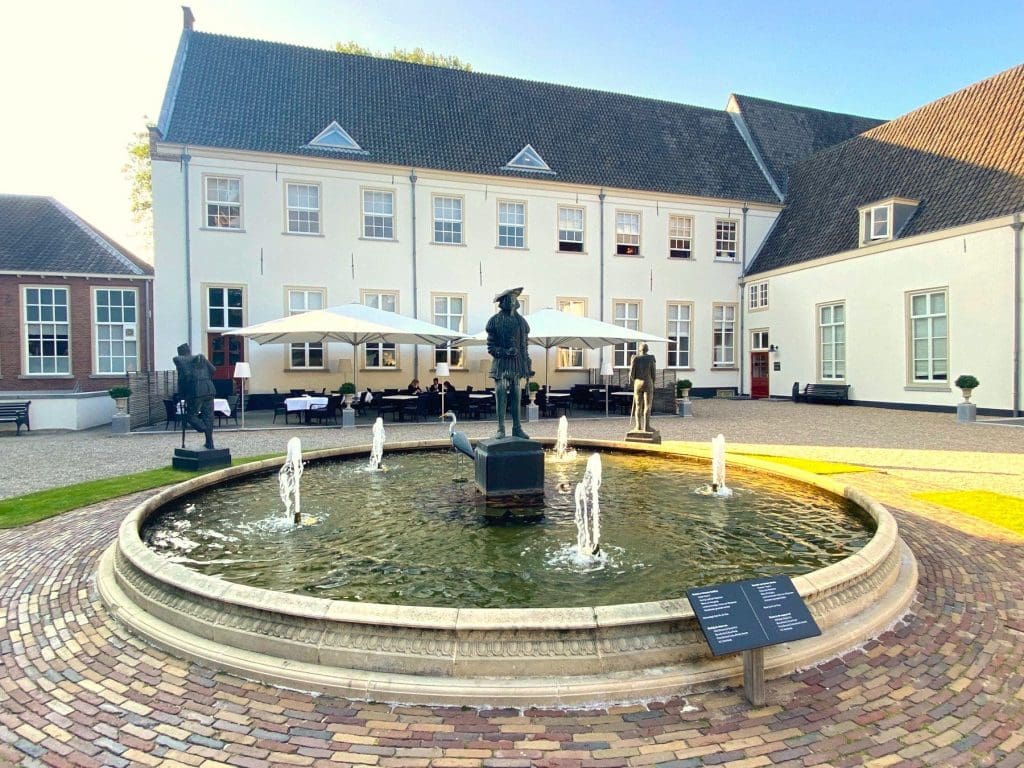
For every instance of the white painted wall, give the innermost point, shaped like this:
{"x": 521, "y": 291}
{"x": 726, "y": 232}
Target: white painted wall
{"x": 266, "y": 261}
{"x": 65, "y": 410}
{"x": 976, "y": 267}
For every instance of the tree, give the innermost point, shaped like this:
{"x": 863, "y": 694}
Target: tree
{"x": 138, "y": 171}
{"x": 415, "y": 56}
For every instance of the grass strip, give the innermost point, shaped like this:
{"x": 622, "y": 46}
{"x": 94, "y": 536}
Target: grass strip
{"x": 1004, "y": 511}
{"x": 32, "y": 507}
{"x": 811, "y": 465}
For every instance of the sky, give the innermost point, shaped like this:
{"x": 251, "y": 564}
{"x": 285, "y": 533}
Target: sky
{"x": 80, "y": 77}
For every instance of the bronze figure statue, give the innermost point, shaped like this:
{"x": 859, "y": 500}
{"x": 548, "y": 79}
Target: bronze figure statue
{"x": 507, "y": 334}
{"x": 195, "y": 386}
{"x": 641, "y": 373}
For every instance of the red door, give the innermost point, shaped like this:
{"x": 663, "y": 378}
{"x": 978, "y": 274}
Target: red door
{"x": 758, "y": 374}
{"x": 224, "y": 352}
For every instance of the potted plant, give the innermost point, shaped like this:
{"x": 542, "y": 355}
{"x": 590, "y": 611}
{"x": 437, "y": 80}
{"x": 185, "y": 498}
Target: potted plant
{"x": 533, "y": 388}
{"x": 348, "y": 391}
{"x": 683, "y": 387}
{"x": 966, "y": 382}
{"x": 120, "y": 395}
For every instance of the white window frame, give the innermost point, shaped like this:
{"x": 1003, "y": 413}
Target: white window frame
{"x": 43, "y": 319}
{"x": 227, "y": 309}
{"x": 759, "y": 340}
{"x": 448, "y": 225}
{"x": 307, "y": 219}
{"x": 446, "y": 353}
{"x": 628, "y": 231}
{"x": 376, "y": 217}
{"x": 757, "y": 296}
{"x": 931, "y": 328}
{"x": 724, "y": 228}
{"x": 570, "y": 358}
{"x": 221, "y": 212}
{"x": 121, "y": 333}
{"x": 680, "y": 237}
{"x": 876, "y": 223}
{"x": 571, "y": 239}
{"x": 301, "y": 354}
{"x": 831, "y": 341}
{"x": 384, "y": 350}
{"x": 679, "y": 327}
{"x": 511, "y": 232}
{"x": 723, "y": 335}
{"x": 624, "y": 318}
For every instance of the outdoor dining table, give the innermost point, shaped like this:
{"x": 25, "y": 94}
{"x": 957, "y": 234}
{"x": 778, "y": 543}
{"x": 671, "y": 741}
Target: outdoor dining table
{"x": 304, "y": 403}
{"x": 397, "y": 414}
{"x": 480, "y": 396}
{"x": 220, "y": 405}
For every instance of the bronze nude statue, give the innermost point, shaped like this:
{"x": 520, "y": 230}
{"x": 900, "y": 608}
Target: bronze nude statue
{"x": 641, "y": 372}
{"x": 507, "y": 334}
{"x": 195, "y": 386}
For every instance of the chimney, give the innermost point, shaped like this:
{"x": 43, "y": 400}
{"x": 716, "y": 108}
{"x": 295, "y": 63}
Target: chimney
{"x": 188, "y": 19}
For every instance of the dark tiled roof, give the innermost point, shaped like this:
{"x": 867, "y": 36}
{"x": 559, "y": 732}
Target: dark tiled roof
{"x": 271, "y": 97}
{"x": 784, "y": 134}
{"x": 38, "y": 234}
{"x": 961, "y": 156}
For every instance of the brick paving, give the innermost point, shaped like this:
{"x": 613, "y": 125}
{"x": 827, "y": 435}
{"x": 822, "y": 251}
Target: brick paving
{"x": 944, "y": 687}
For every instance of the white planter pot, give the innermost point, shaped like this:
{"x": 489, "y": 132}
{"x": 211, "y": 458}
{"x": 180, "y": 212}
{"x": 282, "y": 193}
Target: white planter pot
{"x": 967, "y": 393}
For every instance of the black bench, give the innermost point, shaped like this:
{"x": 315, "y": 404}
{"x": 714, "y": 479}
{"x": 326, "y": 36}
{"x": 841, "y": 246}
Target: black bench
{"x": 17, "y": 413}
{"x": 822, "y": 393}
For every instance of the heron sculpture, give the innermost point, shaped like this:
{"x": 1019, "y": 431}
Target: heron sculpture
{"x": 459, "y": 440}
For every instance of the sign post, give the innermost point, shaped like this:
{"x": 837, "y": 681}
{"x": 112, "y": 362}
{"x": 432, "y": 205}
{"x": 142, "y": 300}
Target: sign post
{"x": 747, "y": 616}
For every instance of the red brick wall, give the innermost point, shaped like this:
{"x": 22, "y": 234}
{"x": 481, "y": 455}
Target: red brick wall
{"x": 80, "y": 297}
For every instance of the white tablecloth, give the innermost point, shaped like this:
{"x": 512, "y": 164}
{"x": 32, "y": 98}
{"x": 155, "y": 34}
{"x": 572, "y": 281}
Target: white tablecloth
{"x": 220, "y": 405}
{"x": 304, "y": 403}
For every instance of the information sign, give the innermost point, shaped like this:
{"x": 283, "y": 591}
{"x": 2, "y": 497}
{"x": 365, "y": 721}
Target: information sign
{"x": 751, "y": 614}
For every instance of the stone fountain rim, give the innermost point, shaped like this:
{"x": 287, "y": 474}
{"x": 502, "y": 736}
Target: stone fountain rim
{"x": 810, "y": 586}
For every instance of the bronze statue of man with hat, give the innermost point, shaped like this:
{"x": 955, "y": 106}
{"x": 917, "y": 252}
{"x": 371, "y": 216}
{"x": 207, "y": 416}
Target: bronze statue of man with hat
{"x": 507, "y": 333}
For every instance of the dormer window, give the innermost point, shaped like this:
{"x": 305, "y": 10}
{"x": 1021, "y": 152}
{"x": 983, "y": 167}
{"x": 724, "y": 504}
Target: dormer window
{"x": 336, "y": 138}
{"x": 885, "y": 219}
{"x": 528, "y": 159}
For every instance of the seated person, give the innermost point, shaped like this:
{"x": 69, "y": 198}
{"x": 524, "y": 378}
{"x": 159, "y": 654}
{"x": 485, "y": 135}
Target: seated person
{"x": 414, "y": 387}
{"x": 448, "y": 387}
{"x": 366, "y": 397}
{"x": 436, "y": 386}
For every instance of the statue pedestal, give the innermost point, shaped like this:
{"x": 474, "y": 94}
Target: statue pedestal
{"x": 532, "y": 412}
{"x": 652, "y": 438}
{"x": 121, "y": 424}
{"x": 966, "y": 412}
{"x": 510, "y": 470}
{"x": 203, "y": 458}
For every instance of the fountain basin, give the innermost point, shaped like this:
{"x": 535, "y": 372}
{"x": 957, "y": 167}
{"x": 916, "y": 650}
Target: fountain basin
{"x": 474, "y": 656}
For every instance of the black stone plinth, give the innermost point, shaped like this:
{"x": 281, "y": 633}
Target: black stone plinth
{"x": 204, "y": 458}
{"x": 511, "y": 469}
{"x": 652, "y": 438}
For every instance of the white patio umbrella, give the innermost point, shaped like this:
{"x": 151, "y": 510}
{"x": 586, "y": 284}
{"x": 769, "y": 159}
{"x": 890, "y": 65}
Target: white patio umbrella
{"x": 354, "y": 324}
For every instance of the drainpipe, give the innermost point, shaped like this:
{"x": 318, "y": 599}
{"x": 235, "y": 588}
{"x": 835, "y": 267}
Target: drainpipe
{"x": 415, "y": 310}
{"x": 600, "y": 251}
{"x": 742, "y": 307}
{"x": 1016, "y": 226}
{"x": 188, "y": 254}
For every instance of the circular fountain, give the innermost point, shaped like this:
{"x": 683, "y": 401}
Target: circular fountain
{"x": 574, "y": 645}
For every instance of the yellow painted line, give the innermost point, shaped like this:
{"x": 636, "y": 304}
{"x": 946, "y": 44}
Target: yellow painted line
{"x": 996, "y": 508}
{"x": 811, "y": 465}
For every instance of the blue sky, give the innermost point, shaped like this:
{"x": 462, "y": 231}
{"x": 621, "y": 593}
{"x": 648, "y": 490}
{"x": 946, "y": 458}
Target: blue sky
{"x": 92, "y": 72}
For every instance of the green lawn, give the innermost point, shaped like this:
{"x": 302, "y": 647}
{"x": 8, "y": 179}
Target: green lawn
{"x": 24, "y": 510}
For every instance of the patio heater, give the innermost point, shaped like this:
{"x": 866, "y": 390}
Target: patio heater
{"x": 243, "y": 372}
{"x": 607, "y": 371}
{"x": 442, "y": 371}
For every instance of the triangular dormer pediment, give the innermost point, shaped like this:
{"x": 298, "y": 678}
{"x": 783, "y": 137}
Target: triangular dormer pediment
{"x": 337, "y": 138}
{"x": 528, "y": 159}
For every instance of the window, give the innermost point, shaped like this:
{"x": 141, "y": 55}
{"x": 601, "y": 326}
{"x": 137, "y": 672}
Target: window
{"x": 448, "y": 220}
{"x": 678, "y": 333}
{"x": 115, "y": 331}
{"x": 725, "y": 240}
{"x": 570, "y": 229}
{"x": 223, "y": 203}
{"x": 303, "y": 208}
{"x": 311, "y": 354}
{"x": 627, "y": 315}
{"x": 383, "y": 354}
{"x": 224, "y": 308}
{"x": 511, "y": 225}
{"x": 929, "y": 336}
{"x": 757, "y": 296}
{"x": 449, "y": 312}
{"x": 723, "y": 341}
{"x": 759, "y": 341}
{"x": 47, "y": 330}
{"x": 378, "y": 214}
{"x": 876, "y": 224}
{"x": 832, "y": 340}
{"x": 336, "y": 138}
{"x": 627, "y": 234}
{"x": 680, "y": 237}
{"x": 571, "y": 357}
{"x": 528, "y": 159}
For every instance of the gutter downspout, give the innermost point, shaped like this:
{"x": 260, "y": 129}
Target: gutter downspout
{"x": 188, "y": 254}
{"x": 415, "y": 303}
{"x": 742, "y": 307}
{"x": 600, "y": 302}
{"x": 1016, "y": 226}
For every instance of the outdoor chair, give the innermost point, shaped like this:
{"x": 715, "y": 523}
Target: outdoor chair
{"x": 280, "y": 409}
{"x": 171, "y": 412}
{"x": 326, "y": 412}
{"x": 419, "y": 408}
{"x": 233, "y": 404}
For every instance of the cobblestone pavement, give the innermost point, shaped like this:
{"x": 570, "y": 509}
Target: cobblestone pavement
{"x": 945, "y": 687}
